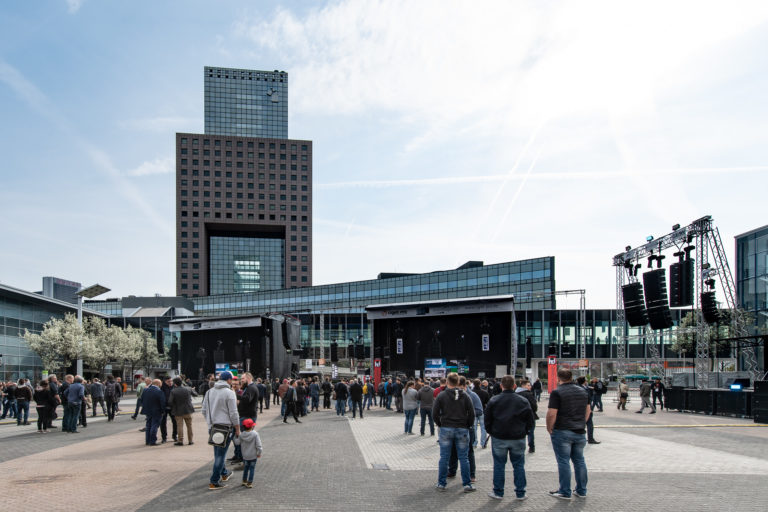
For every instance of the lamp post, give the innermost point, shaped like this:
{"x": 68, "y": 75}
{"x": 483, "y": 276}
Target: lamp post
{"x": 90, "y": 292}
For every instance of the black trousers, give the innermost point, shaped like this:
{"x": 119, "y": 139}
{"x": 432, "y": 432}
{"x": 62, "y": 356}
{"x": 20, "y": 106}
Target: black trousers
{"x": 327, "y": 401}
{"x": 266, "y": 401}
{"x": 291, "y": 408}
{"x": 164, "y": 428}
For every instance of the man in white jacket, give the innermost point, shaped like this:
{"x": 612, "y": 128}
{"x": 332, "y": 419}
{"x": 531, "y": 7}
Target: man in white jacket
{"x": 220, "y": 408}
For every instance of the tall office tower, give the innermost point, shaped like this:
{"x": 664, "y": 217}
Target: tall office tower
{"x": 246, "y": 103}
{"x": 243, "y": 191}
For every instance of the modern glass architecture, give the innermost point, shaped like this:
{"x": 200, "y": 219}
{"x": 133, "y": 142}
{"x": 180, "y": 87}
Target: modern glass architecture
{"x": 19, "y": 311}
{"x": 246, "y": 264}
{"x": 243, "y": 179}
{"x": 752, "y": 275}
{"x": 246, "y": 103}
{"x": 61, "y": 289}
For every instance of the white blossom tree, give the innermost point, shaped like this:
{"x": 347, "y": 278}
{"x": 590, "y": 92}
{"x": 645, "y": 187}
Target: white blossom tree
{"x": 60, "y": 342}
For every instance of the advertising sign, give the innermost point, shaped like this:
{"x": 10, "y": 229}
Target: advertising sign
{"x": 399, "y": 345}
{"x": 486, "y": 342}
{"x": 308, "y": 364}
{"x": 552, "y": 374}
{"x": 377, "y": 371}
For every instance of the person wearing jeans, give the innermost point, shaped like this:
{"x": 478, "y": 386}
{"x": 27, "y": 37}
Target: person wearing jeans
{"x": 567, "y": 416}
{"x": 220, "y": 408}
{"x": 23, "y": 397}
{"x": 342, "y": 393}
{"x": 410, "y": 405}
{"x": 508, "y": 419}
{"x": 426, "y": 399}
{"x": 454, "y": 414}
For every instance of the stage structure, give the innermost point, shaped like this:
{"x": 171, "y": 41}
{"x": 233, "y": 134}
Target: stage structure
{"x": 701, "y": 263}
{"x": 265, "y": 345}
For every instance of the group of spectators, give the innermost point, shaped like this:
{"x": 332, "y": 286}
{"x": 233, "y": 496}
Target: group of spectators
{"x": 75, "y": 395}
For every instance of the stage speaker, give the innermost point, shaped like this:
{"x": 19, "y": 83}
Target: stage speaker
{"x": 681, "y": 284}
{"x": 286, "y": 338}
{"x": 528, "y": 351}
{"x": 359, "y": 352}
{"x": 656, "y": 304}
{"x": 174, "y": 355}
{"x": 634, "y": 307}
{"x": 334, "y": 353}
{"x": 160, "y": 343}
{"x": 218, "y": 356}
{"x": 709, "y": 308}
{"x": 367, "y": 352}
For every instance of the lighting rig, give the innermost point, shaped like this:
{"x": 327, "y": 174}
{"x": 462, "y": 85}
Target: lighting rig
{"x": 692, "y": 284}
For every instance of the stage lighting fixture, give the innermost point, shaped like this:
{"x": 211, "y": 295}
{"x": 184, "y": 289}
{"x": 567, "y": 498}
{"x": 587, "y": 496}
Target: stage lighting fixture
{"x": 675, "y": 227}
{"x": 711, "y": 283}
{"x": 705, "y": 266}
{"x": 658, "y": 260}
{"x": 637, "y": 267}
{"x": 649, "y": 238}
{"x": 651, "y": 258}
{"x": 680, "y": 255}
{"x": 628, "y": 248}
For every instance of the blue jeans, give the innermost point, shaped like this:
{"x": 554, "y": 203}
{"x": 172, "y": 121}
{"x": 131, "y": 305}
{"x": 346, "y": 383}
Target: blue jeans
{"x": 448, "y": 438}
{"x": 515, "y": 450}
{"x": 426, "y": 412}
{"x": 341, "y": 407}
{"x": 410, "y": 415}
{"x": 9, "y": 406}
{"x": 389, "y": 401}
{"x": 367, "y": 401}
{"x": 219, "y": 456}
{"x": 238, "y": 450}
{"x": 315, "y": 403}
{"x": 569, "y": 446}
{"x": 480, "y": 420}
{"x": 282, "y": 409}
{"x": 135, "y": 412}
{"x": 357, "y": 405}
{"x": 71, "y": 413}
{"x": 249, "y": 466}
{"x": 151, "y": 424}
{"x": 531, "y": 440}
{"x": 22, "y": 407}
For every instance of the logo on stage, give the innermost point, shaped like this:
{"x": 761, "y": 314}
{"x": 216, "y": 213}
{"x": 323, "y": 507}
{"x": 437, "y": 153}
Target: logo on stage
{"x": 552, "y": 360}
{"x": 399, "y": 345}
{"x": 377, "y": 363}
{"x": 486, "y": 343}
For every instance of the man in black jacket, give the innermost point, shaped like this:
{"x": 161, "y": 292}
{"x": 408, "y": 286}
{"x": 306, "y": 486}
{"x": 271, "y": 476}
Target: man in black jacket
{"x": 166, "y": 389}
{"x": 327, "y": 389}
{"x": 508, "y": 418}
{"x": 524, "y": 390}
{"x": 454, "y": 414}
{"x": 247, "y": 403}
{"x": 342, "y": 393}
{"x": 356, "y": 396}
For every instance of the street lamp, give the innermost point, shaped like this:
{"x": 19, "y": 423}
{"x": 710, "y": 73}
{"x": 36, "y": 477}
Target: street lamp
{"x": 89, "y": 293}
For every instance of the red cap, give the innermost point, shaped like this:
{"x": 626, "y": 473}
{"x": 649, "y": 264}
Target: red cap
{"x": 248, "y": 423}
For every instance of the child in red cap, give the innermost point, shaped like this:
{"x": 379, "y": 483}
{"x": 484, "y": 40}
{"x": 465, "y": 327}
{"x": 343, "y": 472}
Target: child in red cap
{"x": 250, "y": 444}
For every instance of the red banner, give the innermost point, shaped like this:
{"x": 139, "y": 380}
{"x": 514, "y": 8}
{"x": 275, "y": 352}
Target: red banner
{"x": 552, "y": 374}
{"x": 377, "y": 372}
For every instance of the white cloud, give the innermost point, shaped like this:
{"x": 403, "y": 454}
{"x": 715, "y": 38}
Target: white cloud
{"x": 156, "y": 166}
{"x": 74, "y": 5}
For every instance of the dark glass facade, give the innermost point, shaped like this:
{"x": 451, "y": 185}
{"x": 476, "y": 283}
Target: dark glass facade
{"x": 752, "y": 275}
{"x": 246, "y": 102}
{"x": 243, "y": 264}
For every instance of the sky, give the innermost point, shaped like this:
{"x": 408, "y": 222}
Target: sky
{"x": 443, "y": 131}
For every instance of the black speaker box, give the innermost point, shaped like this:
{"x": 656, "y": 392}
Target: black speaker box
{"x": 655, "y": 285}
{"x": 634, "y": 308}
{"x": 334, "y": 353}
{"x": 709, "y": 308}
{"x": 681, "y": 284}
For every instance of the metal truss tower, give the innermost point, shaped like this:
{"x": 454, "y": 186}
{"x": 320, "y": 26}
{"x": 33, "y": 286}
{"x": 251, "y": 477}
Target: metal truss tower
{"x": 707, "y": 242}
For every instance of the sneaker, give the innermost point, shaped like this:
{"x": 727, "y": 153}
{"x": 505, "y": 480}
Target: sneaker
{"x": 495, "y": 496}
{"x": 249, "y": 485}
{"x": 224, "y": 478}
{"x": 440, "y": 488}
{"x": 592, "y": 441}
{"x": 213, "y": 487}
{"x": 576, "y": 493}
{"x": 470, "y": 488}
{"x": 244, "y": 484}
{"x": 558, "y": 494}
{"x": 521, "y": 498}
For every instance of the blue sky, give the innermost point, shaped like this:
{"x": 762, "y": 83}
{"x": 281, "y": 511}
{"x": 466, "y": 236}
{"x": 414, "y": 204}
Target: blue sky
{"x": 443, "y": 131}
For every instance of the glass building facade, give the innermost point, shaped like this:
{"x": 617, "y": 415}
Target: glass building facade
{"x": 242, "y": 264}
{"x": 246, "y": 103}
{"x": 19, "y": 311}
{"x": 752, "y": 275}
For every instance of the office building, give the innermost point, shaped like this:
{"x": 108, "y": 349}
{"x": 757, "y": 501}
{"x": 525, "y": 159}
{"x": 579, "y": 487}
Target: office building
{"x": 752, "y": 275}
{"x": 243, "y": 191}
{"x": 246, "y": 103}
{"x": 57, "y": 288}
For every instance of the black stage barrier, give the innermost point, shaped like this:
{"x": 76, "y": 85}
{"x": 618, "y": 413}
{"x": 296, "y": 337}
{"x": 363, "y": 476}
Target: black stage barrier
{"x": 722, "y": 402}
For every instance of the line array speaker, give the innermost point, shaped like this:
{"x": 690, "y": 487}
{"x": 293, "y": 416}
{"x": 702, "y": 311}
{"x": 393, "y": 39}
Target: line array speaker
{"x": 655, "y": 285}
{"x": 709, "y": 308}
{"x": 334, "y": 353}
{"x": 681, "y": 284}
{"x": 634, "y": 307}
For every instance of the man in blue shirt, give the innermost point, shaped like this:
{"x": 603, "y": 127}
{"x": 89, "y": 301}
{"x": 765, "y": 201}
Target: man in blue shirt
{"x": 75, "y": 396}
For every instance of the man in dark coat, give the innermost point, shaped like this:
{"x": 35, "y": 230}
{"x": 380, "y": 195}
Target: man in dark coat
{"x": 153, "y": 407}
{"x": 356, "y": 395}
{"x": 180, "y": 404}
{"x": 166, "y": 388}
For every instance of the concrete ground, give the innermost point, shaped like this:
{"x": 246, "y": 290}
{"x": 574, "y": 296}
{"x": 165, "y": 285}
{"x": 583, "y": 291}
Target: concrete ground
{"x": 645, "y": 462}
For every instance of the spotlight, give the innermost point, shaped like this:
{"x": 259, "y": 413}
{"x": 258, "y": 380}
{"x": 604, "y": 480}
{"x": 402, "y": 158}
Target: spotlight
{"x": 711, "y": 283}
{"x": 649, "y": 238}
{"x": 705, "y": 266}
{"x": 628, "y": 248}
{"x": 675, "y": 227}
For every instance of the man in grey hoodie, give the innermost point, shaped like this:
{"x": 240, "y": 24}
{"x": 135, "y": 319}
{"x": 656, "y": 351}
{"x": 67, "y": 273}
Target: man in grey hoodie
{"x": 220, "y": 408}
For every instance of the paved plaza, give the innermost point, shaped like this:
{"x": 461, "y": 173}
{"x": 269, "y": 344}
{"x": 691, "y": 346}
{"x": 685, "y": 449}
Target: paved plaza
{"x": 668, "y": 460}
